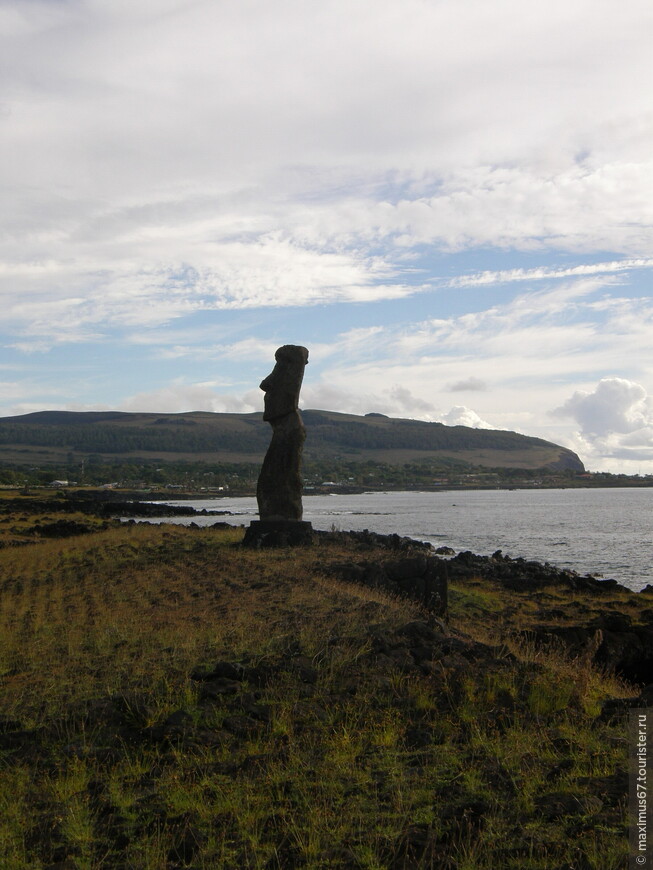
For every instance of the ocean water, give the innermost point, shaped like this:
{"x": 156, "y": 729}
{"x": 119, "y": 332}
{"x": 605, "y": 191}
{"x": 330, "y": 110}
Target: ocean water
{"x": 606, "y": 532}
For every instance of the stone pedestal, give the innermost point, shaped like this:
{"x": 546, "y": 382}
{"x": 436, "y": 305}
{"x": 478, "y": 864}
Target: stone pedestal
{"x": 278, "y": 533}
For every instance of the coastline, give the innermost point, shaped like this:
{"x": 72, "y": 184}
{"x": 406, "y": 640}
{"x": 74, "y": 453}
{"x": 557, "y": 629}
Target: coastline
{"x": 405, "y": 515}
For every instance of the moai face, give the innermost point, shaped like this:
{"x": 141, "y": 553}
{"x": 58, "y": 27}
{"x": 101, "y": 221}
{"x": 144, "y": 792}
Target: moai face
{"x": 284, "y": 382}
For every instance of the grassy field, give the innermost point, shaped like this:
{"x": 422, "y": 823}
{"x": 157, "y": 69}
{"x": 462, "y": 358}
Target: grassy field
{"x": 171, "y": 700}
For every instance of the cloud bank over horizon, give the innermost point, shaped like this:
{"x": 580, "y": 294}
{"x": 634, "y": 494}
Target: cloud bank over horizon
{"x": 615, "y": 419}
{"x": 450, "y": 204}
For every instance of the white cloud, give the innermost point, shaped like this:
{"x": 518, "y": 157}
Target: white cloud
{"x": 529, "y": 349}
{"x": 10, "y": 390}
{"x": 616, "y": 405}
{"x": 615, "y": 420}
{"x": 409, "y": 403}
{"x": 543, "y": 273}
{"x": 178, "y": 397}
{"x": 460, "y": 415}
{"x": 574, "y": 209}
{"x": 245, "y": 349}
{"x": 264, "y": 273}
{"x": 248, "y": 83}
{"x": 471, "y": 384}
{"x": 552, "y": 331}
{"x": 395, "y": 401}
{"x": 177, "y": 169}
{"x": 167, "y": 158}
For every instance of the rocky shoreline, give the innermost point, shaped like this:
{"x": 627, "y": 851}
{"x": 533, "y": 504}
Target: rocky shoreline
{"x": 620, "y": 642}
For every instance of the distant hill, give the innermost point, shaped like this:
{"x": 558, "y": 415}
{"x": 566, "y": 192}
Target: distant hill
{"x": 55, "y": 437}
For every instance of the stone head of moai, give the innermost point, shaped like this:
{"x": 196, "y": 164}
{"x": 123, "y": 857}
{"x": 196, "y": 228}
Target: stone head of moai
{"x": 284, "y": 382}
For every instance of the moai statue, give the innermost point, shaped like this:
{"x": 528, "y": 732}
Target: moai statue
{"x": 279, "y": 489}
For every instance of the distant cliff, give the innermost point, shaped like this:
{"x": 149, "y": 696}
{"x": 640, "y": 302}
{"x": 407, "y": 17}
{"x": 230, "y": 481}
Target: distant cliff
{"x": 58, "y": 436}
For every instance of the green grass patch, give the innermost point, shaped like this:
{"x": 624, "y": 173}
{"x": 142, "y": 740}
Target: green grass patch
{"x": 325, "y": 738}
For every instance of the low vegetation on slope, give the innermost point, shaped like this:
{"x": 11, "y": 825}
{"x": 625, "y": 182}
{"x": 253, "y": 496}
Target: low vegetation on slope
{"x": 171, "y": 700}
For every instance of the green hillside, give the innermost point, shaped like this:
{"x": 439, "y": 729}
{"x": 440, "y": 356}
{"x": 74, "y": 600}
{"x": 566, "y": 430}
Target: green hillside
{"x": 55, "y": 437}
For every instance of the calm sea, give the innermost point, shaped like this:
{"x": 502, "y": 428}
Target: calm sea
{"x": 607, "y": 532}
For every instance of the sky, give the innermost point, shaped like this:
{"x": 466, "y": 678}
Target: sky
{"x": 448, "y": 202}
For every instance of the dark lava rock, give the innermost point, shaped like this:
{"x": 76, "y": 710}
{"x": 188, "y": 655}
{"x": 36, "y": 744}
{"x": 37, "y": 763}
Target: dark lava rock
{"x": 623, "y": 648}
{"x": 189, "y": 839}
{"x": 404, "y": 569}
{"x": 23, "y": 743}
{"x": 612, "y": 620}
{"x": 262, "y": 674}
{"x": 177, "y": 726}
{"x": 418, "y": 577}
{"x": 144, "y": 509}
{"x": 222, "y": 670}
{"x": 179, "y": 719}
{"x": 468, "y": 812}
{"x": 242, "y": 726}
{"x": 558, "y": 804}
{"x": 129, "y": 709}
{"x": 373, "y": 540}
{"x": 215, "y": 689}
{"x": 560, "y": 769}
{"x": 59, "y": 529}
{"x": 256, "y": 764}
{"x": 420, "y": 633}
{"x": 645, "y": 698}
{"x": 629, "y": 653}
{"x": 417, "y": 847}
{"x": 249, "y": 705}
{"x": 307, "y": 711}
{"x": 616, "y": 710}
{"x": 522, "y": 575}
{"x": 611, "y": 789}
{"x": 270, "y": 534}
{"x": 418, "y": 738}
{"x": 303, "y": 668}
